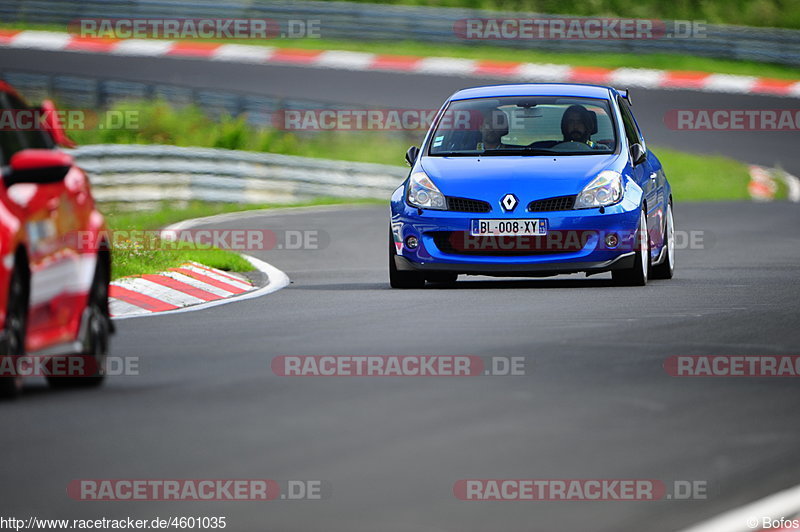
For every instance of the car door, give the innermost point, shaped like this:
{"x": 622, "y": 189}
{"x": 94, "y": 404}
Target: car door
{"x": 47, "y": 222}
{"x": 647, "y": 177}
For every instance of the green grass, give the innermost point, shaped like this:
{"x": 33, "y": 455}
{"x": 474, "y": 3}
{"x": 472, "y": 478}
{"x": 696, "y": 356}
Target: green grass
{"x": 129, "y": 260}
{"x": 704, "y": 177}
{"x": 478, "y": 51}
{"x": 135, "y": 257}
{"x": 158, "y": 123}
{"x": 141, "y": 256}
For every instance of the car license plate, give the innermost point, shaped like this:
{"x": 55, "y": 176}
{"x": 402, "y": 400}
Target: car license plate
{"x": 519, "y": 227}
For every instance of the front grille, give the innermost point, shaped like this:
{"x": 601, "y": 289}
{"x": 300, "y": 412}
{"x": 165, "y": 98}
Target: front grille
{"x": 561, "y": 203}
{"x": 462, "y": 243}
{"x": 467, "y": 205}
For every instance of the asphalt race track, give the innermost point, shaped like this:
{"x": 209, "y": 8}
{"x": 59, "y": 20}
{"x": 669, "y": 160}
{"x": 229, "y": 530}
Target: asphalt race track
{"x": 596, "y": 401}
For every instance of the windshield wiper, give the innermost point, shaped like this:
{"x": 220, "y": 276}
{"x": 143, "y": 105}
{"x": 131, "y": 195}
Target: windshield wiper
{"x": 454, "y": 154}
{"x": 523, "y": 150}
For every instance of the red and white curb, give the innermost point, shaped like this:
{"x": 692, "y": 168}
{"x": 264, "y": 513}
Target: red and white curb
{"x": 191, "y": 286}
{"x": 763, "y": 184}
{"x": 784, "y": 505}
{"x": 338, "y": 59}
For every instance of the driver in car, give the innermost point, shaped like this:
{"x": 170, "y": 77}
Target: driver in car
{"x": 578, "y": 124}
{"x": 493, "y": 128}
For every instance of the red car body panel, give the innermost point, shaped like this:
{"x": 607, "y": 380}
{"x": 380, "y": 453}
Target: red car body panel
{"x": 41, "y": 223}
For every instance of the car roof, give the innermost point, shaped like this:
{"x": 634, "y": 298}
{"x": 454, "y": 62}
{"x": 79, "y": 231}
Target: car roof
{"x": 535, "y": 89}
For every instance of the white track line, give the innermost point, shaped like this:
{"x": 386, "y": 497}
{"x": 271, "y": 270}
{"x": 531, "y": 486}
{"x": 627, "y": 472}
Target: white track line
{"x": 782, "y": 504}
{"x": 121, "y": 308}
{"x": 142, "y": 47}
{"x": 446, "y": 66}
{"x": 242, "y": 53}
{"x": 42, "y": 40}
{"x": 345, "y": 60}
{"x": 218, "y": 277}
{"x": 191, "y": 281}
{"x": 158, "y": 291}
{"x": 638, "y": 77}
{"x": 729, "y": 83}
{"x": 793, "y": 184}
{"x": 543, "y": 72}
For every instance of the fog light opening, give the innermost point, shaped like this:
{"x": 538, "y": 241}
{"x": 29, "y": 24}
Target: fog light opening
{"x": 612, "y": 240}
{"x": 412, "y": 242}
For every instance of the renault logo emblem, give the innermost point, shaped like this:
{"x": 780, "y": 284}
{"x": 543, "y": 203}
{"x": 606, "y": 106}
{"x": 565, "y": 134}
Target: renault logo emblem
{"x": 509, "y": 202}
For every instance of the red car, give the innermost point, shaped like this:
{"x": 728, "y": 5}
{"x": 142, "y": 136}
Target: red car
{"x": 53, "y": 291}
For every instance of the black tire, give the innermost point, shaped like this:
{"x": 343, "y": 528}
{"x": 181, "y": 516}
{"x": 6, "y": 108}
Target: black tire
{"x": 402, "y": 279}
{"x": 638, "y": 274}
{"x": 666, "y": 269}
{"x": 442, "y": 278}
{"x": 98, "y": 333}
{"x": 13, "y": 342}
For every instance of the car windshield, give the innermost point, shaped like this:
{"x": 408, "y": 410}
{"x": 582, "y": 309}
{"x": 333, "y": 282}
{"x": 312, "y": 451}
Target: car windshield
{"x": 525, "y": 126}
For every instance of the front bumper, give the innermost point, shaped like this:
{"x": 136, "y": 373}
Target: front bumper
{"x": 622, "y": 262}
{"x": 580, "y": 245}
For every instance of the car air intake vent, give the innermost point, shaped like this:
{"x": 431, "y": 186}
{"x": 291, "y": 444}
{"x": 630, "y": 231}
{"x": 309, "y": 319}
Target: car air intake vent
{"x": 467, "y": 205}
{"x": 561, "y": 203}
{"x": 462, "y": 243}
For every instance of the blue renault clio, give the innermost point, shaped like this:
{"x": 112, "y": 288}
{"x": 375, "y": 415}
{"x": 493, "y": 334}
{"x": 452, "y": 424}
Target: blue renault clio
{"x": 530, "y": 180}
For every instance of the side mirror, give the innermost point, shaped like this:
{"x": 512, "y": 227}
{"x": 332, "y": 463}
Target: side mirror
{"x": 37, "y": 166}
{"x": 411, "y": 155}
{"x": 638, "y": 155}
{"x": 52, "y": 124}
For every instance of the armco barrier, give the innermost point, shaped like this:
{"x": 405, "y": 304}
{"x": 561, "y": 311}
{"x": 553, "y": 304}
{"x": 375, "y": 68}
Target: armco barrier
{"x": 152, "y": 173}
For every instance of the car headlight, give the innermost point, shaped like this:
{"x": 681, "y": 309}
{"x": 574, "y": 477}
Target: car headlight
{"x": 423, "y": 194}
{"x": 604, "y": 190}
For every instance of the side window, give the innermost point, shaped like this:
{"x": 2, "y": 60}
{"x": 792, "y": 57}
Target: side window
{"x": 10, "y": 138}
{"x": 631, "y": 130}
{"x": 34, "y": 137}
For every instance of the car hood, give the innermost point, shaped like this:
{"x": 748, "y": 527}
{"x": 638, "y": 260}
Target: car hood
{"x": 529, "y": 177}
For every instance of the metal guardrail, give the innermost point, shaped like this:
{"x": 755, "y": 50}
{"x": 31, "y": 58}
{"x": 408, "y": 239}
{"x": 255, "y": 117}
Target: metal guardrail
{"x": 343, "y": 20}
{"x": 154, "y": 173}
